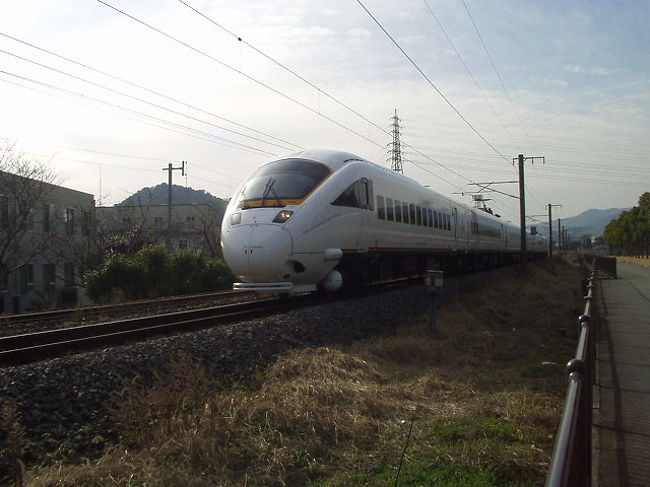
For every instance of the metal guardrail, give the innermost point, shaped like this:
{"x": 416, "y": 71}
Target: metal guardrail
{"x": 571, "y": 460}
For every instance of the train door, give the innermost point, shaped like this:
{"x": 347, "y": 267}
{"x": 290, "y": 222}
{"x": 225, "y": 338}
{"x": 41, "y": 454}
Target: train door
{"x": 366, "y": 199}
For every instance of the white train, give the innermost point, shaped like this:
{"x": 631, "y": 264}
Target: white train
{"x": 323, "y": 219}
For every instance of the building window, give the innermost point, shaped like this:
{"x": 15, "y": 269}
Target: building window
{"x": 25, "y": 278}
{"x": 69, "y": 221}
{"x": 4, "y": 276}
{"x": 4, "y": 211}
{"x": 68, "y": 274}
{"x": 190, "y": 219}
{"x": 158, "y": 220}
{"x": 49, "y": 276}
{"x": 46, "y": 218}
{"x": 381, "y": 211}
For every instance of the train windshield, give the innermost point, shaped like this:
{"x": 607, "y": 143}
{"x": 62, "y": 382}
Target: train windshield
{"x": 281, "y": 183}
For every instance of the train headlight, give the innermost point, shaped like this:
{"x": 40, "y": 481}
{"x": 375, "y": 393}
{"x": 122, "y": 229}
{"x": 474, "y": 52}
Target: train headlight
{"x": 283, "y": 216}
{"x": 235, "y": 219}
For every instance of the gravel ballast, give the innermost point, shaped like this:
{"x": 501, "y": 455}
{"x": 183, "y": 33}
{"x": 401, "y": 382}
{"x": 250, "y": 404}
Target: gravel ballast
{"x": 64, "y": 402}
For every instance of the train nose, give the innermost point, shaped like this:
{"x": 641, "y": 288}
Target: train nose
{"x": 257, "y": 252}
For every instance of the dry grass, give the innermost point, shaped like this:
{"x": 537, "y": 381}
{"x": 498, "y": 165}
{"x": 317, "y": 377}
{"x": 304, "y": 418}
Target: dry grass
{"x": 644, "y": 261}
{"x": 482, "y": 405}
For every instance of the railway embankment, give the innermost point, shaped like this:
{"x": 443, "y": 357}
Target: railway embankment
{"x": 350, "y": 393}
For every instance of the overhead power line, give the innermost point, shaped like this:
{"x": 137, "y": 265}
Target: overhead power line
{"x": 284, "y": 67}
{"x": 179, "y": 128}
{"x": 142, "y": 100}
{"x": 242, "y": 73}
{"x": 494, "y": 66}
{"x": 419, "y": 70}
{"x": 469, "y": 72}
{"x": 157, "y": 93}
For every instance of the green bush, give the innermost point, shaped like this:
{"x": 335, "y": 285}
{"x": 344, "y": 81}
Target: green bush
{"x": 153, "y": 272}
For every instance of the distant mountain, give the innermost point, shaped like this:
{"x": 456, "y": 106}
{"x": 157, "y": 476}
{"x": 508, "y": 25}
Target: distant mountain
{"x": 590, "y": 222}
{"x": 158, "y": 195}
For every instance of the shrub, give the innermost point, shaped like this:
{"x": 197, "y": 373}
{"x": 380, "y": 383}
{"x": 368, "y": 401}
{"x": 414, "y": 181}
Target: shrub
{"x": 153, "y": 272}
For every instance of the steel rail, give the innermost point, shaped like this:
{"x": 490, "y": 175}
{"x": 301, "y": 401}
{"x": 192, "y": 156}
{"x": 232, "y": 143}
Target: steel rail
{"x": 89, "y": 311}
{"x": 30, "y": 347}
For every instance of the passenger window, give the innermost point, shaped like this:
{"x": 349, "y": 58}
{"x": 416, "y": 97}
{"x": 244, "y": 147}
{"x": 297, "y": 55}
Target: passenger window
{"x": 412, "y": 214}
{"x": 435, "y": 219}
{"x": 381, "y": 212}
{"x": 349, "y": 197}
{"x": 418, "y": 211}
{"x": 398, "y": 211}
{"x": 430, "y": 218}
{"x": 448, "y": 222}
{"x": 405, "y": 212}
{"x": 424, "y": 218}
{"x": 389, "y": 209}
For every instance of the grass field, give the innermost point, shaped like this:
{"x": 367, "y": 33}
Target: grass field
{"x": 476, "y": 404}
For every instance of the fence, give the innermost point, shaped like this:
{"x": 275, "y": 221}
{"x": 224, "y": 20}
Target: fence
{"x": 571, "y": 461}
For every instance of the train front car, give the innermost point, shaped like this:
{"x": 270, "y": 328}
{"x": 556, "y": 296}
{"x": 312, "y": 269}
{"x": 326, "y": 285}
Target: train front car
{"x": 274, "y": 234}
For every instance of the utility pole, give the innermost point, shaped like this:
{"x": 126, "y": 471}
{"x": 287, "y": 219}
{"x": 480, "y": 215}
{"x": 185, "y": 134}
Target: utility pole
{"x": 169, "y": 170}
{"x": 559, "y": 236}
{"x": 550, "y": 229}
{"x": 522, "y": 202}
{"x": 395, "y": 152}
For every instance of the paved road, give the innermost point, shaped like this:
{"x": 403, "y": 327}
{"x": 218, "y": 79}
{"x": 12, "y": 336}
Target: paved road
{"x": 622, "y": 417}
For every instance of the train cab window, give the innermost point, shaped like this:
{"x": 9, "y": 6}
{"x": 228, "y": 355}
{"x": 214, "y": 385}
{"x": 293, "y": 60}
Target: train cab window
{"x": 412, "y": 214}
{"x": 418, "y": 212}
{"x": 398, "y": 211}
{"x": 389, "y": 209}
{"x": 430, "y": 218}
{"x": 275, "y": 183}
{"x": 381, "y": 210}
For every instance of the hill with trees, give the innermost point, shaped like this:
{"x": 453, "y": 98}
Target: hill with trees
{"x": 157, "y": 195}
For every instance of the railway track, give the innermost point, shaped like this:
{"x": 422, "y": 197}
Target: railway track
{"x": 90, "y": 313}
{"x": 31, "y": 347}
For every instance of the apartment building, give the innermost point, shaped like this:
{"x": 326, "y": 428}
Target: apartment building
{"x": 46, "y": 234}
{"x": 194, "y": 227}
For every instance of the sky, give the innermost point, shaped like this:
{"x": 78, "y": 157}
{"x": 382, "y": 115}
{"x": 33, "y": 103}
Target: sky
{"x": 109, "y": 92}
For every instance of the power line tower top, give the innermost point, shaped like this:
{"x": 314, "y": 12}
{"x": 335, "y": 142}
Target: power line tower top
{"x": 395, "y": 151}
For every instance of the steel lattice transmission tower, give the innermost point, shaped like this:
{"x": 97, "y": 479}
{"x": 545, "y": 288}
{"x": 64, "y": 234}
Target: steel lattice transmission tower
{"x": 395, "y": 151}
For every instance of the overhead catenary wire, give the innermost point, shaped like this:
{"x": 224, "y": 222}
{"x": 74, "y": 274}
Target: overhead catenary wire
{"x": 283, "y": 66}
{"x": 431, "y": 83}
{"x": 494, "y": 66}
{"x": 242, "y": 73}
{"x": 157, "y": 93}
{"x": 274, "y": 90}
{"x": 469, "y": 72}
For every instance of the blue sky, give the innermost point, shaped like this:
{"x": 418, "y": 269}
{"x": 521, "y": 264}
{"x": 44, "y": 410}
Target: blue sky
{"x": 576, "y": 77}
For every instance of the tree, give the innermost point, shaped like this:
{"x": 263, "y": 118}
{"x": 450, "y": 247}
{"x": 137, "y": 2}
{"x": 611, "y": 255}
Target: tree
{"x": 630, "y": 232}
{"x": 24, "y": 186}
